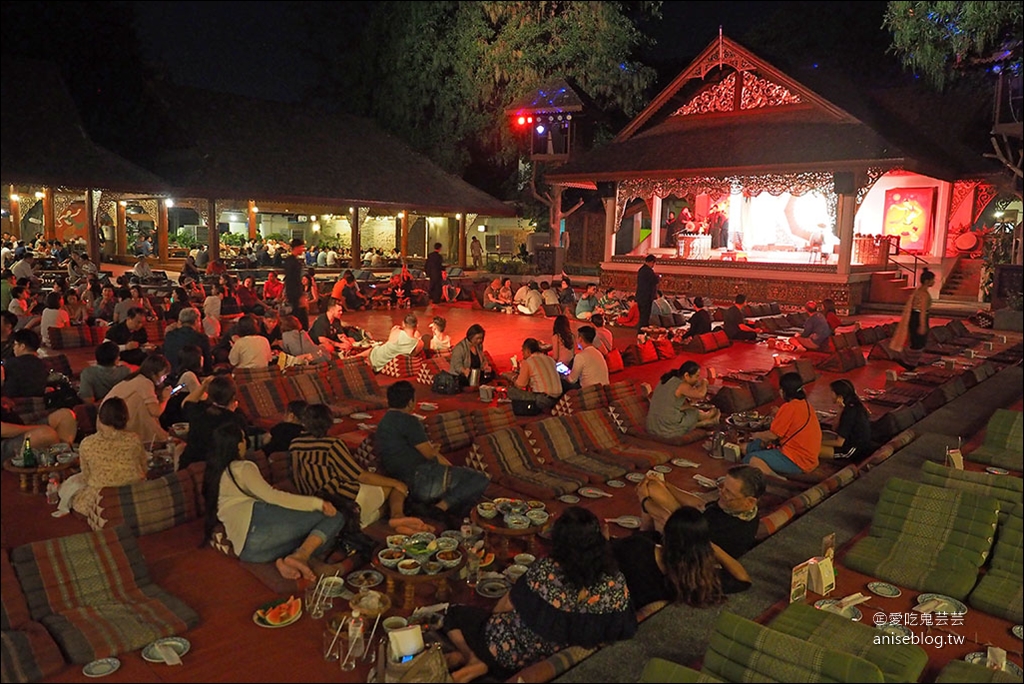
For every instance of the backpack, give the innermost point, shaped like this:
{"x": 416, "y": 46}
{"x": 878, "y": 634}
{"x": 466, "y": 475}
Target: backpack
{"x": 446, "y": 383}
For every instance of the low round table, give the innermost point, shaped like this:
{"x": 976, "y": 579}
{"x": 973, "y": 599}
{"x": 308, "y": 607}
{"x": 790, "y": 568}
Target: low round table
{"x": 34, "y": 480}
{"x": 496, "y": 526}
{"x": 391, "y": 575}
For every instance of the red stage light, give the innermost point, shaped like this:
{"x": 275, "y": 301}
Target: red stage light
{"x": 521, "y": 121}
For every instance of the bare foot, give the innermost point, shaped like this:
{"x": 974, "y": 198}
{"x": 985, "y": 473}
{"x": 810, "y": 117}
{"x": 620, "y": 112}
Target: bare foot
{"x": 472, "y": 670}
{"x": 297, "y": 565}
{"x": 287, "y": 571}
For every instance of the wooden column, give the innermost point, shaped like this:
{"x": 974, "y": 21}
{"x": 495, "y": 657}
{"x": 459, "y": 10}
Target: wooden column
{"x": 609, "y": 227}
{"x": 212, "y": 231}
{"x": 49, "y": 225}
{"x": 122, "y": 229}
{"x": 405, "y": 234}
{"x": 252, "y": 219}
{"x": 356, "y": 259}
{"x": 15, "y": 202}
{"x": 162, "y": 228}
{"x": 462, "y": 241}
{"x": 92, "y": 241}
{"x": 846, "y": 210}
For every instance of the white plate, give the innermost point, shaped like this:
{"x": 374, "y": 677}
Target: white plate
{"x": 997, "y": 471}
{"x": 492, "y": 588}
{"x": 981, "y": 658}
{"x": 635, "y": 477}
{"x": 364, "y": 579}
{"x": 615, "y": 483}
{"x": 181, "y": 646}
{"x": 267, "y": 606}
{"x": 884, "y": 589}
{"x": 360, "y": 416}
{"x": 630, "y": 522}
{"x": 662, "y": 469}
{"x": 949, "y": 604}
{"x": 895, "y": 630}
{"x": 569, "y": 499}
{"x": 850, "y": 612}
{"x": 101, "y": 667}
{"x": 428, "y": 406}
{"x": 592, "y": 492}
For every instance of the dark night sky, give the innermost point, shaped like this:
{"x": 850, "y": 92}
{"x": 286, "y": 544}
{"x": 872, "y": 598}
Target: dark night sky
{"x": 255, "y": 48}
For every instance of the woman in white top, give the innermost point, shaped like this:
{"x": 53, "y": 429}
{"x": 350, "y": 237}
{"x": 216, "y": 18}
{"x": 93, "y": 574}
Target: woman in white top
{"x": 145, "y": 402}
{"x": 404, "y": 339}
{"x": 54, "y": 316}
{"x": 264, "y": 524}
{"x": 211, "y": 311}
{"x": 440, "y": 341}
{"x": 250, "y": 349}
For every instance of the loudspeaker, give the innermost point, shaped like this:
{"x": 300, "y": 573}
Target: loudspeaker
{"x": 606, "y": 189}
{"x": 843, "y": 183}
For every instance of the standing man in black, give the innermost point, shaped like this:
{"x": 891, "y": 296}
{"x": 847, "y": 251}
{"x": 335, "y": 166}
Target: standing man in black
{"x": 434, "y": 267}
{"x": 646, "y": 290}
{"x": 294, "y": 264}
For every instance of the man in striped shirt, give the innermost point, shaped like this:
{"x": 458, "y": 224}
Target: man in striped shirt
{"x": 538, "y": 379}
{"x": 323, "y": 466}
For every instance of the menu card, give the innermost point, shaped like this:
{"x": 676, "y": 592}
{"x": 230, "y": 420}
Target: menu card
{"x": 798, "y": 582}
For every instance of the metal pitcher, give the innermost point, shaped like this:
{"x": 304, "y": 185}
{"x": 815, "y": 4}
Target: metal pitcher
{"x": 474, "y": 377}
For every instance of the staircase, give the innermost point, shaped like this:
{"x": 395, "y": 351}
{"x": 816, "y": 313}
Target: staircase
{"x": 889, "y": 287}
{"x": 963, "y": 283}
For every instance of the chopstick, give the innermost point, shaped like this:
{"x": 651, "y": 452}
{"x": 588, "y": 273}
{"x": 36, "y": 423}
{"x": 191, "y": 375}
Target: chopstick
{"x": 337, "y": 633}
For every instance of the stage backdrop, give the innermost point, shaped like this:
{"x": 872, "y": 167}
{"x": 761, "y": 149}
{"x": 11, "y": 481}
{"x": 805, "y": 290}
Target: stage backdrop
{"x": 908, "y": 214}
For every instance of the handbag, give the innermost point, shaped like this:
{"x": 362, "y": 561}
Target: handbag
{"x": 427, "y": 666}
{"x": 446, "y": 383}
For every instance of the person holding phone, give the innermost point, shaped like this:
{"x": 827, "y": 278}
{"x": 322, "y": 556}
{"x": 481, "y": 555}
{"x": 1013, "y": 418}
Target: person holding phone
{"x": 588, "y": 367}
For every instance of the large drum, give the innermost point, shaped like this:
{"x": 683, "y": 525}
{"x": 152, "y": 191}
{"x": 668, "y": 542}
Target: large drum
{"x": 693, "y": 246}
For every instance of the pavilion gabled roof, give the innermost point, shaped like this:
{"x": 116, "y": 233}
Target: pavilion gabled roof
{"x": 555, "y": 96}
{"x": 43, "y": 141}
{"x": 731, "y": 112}
{"x": 240, "y": 148}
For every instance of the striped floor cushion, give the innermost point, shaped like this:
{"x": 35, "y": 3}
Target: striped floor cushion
{"x": 27, "y": 651}
{"x": 622, "y": 390}
{"x": 513, "y": 460}
{"x": 804, "y": 501}
{"x": 962, "y": 672}
{"x": 593, "y": 397}
{"x": 1000, "y": 591}
{"x": 567, "y": 453}
{"x": 1003, "y": 439}
{"x": 431, "y": 367}
{"x": 306, "y": 387}
{"x": 149, "y": 506}
{"x": 71, "y": 337}
{"x": 403, "y": 366}
{"x": 93, "y": 593}
{"x": 1008, "y": 490}
{"x": 488, "y": 420}
{"x": 450, "y": 431}
{"x": 598, "y": 435}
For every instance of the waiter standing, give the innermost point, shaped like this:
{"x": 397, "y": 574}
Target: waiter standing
{"x": 434, "y": 268}
{"x": 293, "y": 267}
{"x": 646, "y": 290}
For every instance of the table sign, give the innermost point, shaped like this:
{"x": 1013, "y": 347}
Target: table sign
{"x": 954, "y": 459}
{"x": 798, "y": 582}
{"x": 821, "y": 576}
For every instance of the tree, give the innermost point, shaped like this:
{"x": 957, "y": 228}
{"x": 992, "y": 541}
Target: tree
{"x": 440, "y": 74}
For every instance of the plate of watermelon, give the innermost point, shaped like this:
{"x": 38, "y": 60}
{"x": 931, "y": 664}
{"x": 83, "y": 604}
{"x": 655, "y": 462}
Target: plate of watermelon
{"x": 280, "y": 613}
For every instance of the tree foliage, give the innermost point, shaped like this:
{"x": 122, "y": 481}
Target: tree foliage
{"x": 440, "y": 74}
{"x": 941, "y": 39}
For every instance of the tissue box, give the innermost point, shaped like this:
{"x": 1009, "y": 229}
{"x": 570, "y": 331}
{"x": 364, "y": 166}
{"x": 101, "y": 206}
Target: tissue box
{"x": 732, "y": 452}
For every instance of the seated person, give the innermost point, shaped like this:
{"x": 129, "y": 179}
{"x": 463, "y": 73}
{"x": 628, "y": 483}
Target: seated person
{"x": 249, "y": 302}
{"x": 404, "y": 339}
{"x": 548, "y": 295}
{"x": 273, "y": 289}
{"x": 25, "y": 374}
{"x": 96, "y": 381}
{"x": 237, "y": 496}
{"x": 8, "y": 322}
{"x": 213, "y": 403}
{"x": 146, "y": 396}
{"x": 604, "y": 341}
{"x": 61, "y": 427}
{"x": 188, "y": 333}
{"x": 323, "y": 466}
{"x": 537, "y": 379}
{"x": 492, "y": 296}
{"x": 130, "y": 336}
{"x": 440, "y": 341}
{"x": 54, "y": 316}
{"x": 328, "y": 330}
{"x": 249, "y": 349}
{"x": 609, "y": 305}
{"x": 735, "y": 324}
{"x": 282, "y": 434}
{"x": 520, "y": 294}
{"x": 732, "y": 520}
{"x": 112, "y": 457}
{"x": 577, "y": 596}
{"x": 468, "y": 355}
{"x": 700, "y": 320}
{"x": 296, "y": 342}
{"x": 563, "y": 342}
{"x": 142, "y": 270}
{"x": 505, "y": 292}
{"x": 816, "y": 333}
{"x": 406, "y": 454}
{"x": 354, "y": 299}
{"x": 22, "y": 306}
{"x": 532, "y": 301}
{"x": 104, "y": 309}
{"x": 588, "y": 366}
{"x": 134, "y": 299}
{"x": 450, "y": 291}
{"x": 681, "y": 565}
{"x": 792, "y": 443}
{"x": 567, "y": 297}
{"x": 852, "y": 436}
{"x": 587, "y": 304}
{"x": 672, "y": 413}
{"x": 631, "y": 319}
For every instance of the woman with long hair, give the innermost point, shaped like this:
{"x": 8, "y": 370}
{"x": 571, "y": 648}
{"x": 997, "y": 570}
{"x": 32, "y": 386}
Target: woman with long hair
{"x": 911, "y": 335}
{"x": 852, "y": 432}
{"x": 575, "y": 597}
{"x": 312, "y": 291}
{"x": 792, "y": 443}
{"x": 563, "y": 342}
{"x": 146, "y": 396}
{"x": 262, "y": 523}
{"x": 681, "y": 565}
{"x": 468, "y": 355}
{"x": 673, "y": 412}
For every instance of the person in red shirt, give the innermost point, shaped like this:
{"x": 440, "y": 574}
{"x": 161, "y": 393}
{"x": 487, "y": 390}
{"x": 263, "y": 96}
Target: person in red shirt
{"x": 273, "y": 288}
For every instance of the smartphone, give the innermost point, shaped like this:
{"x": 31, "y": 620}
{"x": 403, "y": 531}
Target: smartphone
{"x": 656, "y": 475}
{"x": 562, "y": 368}
{"x": 177, "y": 389}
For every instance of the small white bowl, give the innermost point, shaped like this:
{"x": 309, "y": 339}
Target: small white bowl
{"x": 409, "y": 566}
{"x": 432, "y": 567}
{"x": 515, "y": 521}
{"x": 487, "y": 510}
{"x": 449, "y": 562}
{"x": 446, "y": 544}
{"x": 390, "y": 624}
{"x": 396, "y": 541}
{"x": 389, "y": 558}
{"x": 514, "y": 572}
{"x": 538, "y": 517}
{"x": 524, "y": 558}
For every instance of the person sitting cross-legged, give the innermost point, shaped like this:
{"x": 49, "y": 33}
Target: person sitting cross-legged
{"x": 792, "y": 443}
{"x": 323, "y": 466}
{"x": 538, "y": 379}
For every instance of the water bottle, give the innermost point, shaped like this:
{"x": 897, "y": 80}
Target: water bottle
{"x": 52, "y": 492}
{"x": 355, "y": 635}
{"x": 466, "y": 530}
{"x": 28, "y": 456}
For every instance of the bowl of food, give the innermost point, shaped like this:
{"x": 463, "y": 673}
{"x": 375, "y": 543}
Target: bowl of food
{"x": 537, "y": 516}
{"x": 432, "y": 567}
{"x": 524, "y": 558}
{"x": 179, "y": 429}
{"x": 409, "y": 566}
{"x": 420, "y": 550}
{"x": 516, "y": 521}
{"x": 486, "y": 509}
{"x": 449, "y": 559}
{"x": 390, "y": 624}
{"x": 423, "y": 537}
{"x": 397, "y": 541}
{"x": 446, "y": 544}
{"x": 536, "y": 504}
{"x": 370, "y": 603}
{"x": 514, "y": 572}
{"x": 519, "y": 506}
{"x": 389, "y": 558}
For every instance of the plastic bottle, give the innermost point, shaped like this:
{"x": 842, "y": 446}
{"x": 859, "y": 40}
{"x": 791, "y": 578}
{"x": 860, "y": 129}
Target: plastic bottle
{"x": 466, "y": 530}
{"x": 52, "y": 492}
{"x": 28, "y": 456}
{"x": 355, "y": 635}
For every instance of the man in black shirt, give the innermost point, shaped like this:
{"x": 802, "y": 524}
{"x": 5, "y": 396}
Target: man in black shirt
{"x": 435, "y": 264}
{"x": 25, "y": 374}
{"x": 328, "y": 331}
{"x": 735, "y": 323}
{"x": 646, "y": 290}
{"x": 282, "y": 434}
{"x": 293, "y": 267}
{"x": 732, "y": 520}
{"x": 205, "y": 415}
{"x": 700, "y": 320}
{"x": 130, "y": 336}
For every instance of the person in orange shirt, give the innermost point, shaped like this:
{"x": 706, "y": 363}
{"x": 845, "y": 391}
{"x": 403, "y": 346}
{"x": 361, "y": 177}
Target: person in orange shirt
{"x": 273, "y": 288}
{"x": 792, "y": 443}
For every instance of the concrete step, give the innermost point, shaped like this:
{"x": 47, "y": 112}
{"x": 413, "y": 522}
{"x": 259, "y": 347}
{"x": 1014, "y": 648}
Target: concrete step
{"x": 944, "y": 308}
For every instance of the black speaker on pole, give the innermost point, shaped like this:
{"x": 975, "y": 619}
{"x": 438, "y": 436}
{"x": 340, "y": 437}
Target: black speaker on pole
{"x": 843, "y": 183}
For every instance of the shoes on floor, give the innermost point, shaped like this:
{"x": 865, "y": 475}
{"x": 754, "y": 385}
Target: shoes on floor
{"x": 844, "y": 454}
